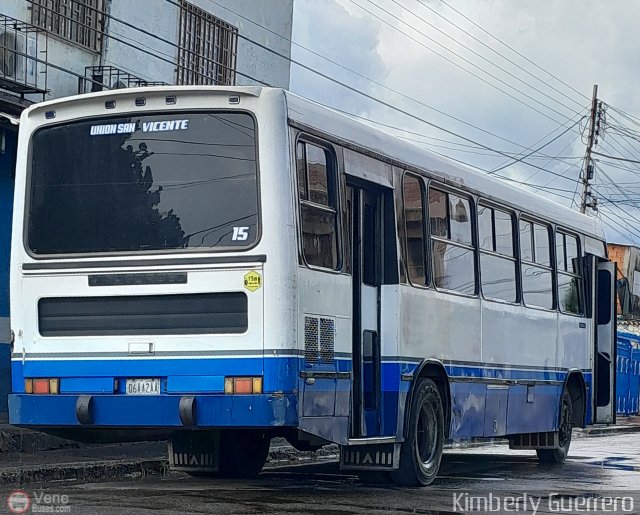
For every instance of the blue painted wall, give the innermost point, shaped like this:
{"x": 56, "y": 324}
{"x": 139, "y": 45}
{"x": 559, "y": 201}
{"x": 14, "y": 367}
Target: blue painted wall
{"x": 8, "y": 143}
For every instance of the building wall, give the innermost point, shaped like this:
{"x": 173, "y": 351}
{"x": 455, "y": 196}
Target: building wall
{"x": 248, "y": 16}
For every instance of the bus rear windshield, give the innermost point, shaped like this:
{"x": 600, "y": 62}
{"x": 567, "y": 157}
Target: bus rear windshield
{"x": 144, "y": 183}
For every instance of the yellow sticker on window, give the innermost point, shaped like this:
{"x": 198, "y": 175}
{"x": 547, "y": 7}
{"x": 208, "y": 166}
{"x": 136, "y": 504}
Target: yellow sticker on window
{"x": 252, "y": 280}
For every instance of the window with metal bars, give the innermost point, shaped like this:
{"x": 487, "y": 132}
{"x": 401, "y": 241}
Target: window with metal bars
{"x": 79, "y": 21}
{"x": 207, "y": 48}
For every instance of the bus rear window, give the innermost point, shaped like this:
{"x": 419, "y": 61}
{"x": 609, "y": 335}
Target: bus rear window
{"x": 144, "y": 183}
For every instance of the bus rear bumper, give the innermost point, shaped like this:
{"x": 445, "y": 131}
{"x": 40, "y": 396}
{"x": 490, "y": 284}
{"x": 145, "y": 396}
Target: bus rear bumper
{"x": 137, "y": 411}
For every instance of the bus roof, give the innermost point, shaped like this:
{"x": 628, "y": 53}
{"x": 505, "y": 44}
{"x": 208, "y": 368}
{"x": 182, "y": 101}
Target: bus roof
{"x": 343, "y": 128}
{"x": 371, "y": 139}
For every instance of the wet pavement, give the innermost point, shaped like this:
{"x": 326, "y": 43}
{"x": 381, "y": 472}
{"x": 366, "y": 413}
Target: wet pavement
{"x": 488, "y": 476}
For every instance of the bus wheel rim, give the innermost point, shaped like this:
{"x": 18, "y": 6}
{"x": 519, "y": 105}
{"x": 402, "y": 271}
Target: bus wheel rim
{"x": 426, "y": 435}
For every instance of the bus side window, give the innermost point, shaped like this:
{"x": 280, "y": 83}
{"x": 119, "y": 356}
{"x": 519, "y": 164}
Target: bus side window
{"x": 316, "y": 176}
{"x": 414, "y": 220}
{"x": 537, "y": 273}
{"x": 497, "y": 259}
{"x": 451, "y": 244}
{"x": 569, "y": 294}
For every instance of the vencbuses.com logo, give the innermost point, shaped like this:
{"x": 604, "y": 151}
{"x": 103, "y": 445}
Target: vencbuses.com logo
{"x": 18, "y": 501}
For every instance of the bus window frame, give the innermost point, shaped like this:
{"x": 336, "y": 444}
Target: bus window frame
{"x": 328, "y": 147}
{"x": 426, "y": 237}
{"x": 568, "y": 232}
{"x": 515, "y": 241}
{"x": 448, "y": 190}
{"x": 551, "y": 268}
{"x": 161, "y": 253}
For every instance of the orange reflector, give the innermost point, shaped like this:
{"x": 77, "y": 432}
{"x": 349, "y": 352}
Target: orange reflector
{"x": 243, "y": 385}
{"x": 40, "y": 386}
{"x": 28, "y": 385}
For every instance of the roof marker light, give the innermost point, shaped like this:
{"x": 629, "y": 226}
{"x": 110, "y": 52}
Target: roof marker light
{"x": 110, "y": 104}
{"x": 50, "y": 115}
{"x": 141, "y": 101}
{"x": 171, "y": 99}
{"x": 235, "y": 99}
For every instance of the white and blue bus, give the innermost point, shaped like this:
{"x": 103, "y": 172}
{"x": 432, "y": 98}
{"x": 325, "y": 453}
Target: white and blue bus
{"x": 225, "y": 265}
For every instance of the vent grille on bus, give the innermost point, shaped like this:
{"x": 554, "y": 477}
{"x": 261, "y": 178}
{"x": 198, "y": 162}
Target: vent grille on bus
{"x": 319, "y": 339}
{"x": 327, "y": 337}
{"x": 199, "y": 313}
{"x": 311, "y": 339}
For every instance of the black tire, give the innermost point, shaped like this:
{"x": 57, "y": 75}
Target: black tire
{"x": 242, "y": 453}
{"x": 421, "y": 452}
{"x": 565, "y": 427}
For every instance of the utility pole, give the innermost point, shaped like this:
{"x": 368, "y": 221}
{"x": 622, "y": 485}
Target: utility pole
{"x": 587, "y": 167}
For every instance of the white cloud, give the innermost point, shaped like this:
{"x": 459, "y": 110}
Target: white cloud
{"x": 582, "y": 42}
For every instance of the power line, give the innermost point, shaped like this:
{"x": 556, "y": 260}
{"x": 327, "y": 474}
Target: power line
{"x": 513, "y": 49}
{"x": 605, "y": 156}
{"x": 373, "y": 81}
{"x": 507, "y": 72}
{"x": 498, "y": 53}
{"x": 457, "y": 64}
{"x": 537, "y": 149}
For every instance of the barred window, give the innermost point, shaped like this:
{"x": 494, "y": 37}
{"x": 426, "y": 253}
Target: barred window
{"x": 207, "y": 48}
{"x": 78, "y": 21}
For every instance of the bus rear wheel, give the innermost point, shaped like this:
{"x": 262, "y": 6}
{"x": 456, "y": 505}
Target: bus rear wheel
{"x": 421, "y": 452}
{"x": 243, "y": 453}
{"x": 559, "y": 455}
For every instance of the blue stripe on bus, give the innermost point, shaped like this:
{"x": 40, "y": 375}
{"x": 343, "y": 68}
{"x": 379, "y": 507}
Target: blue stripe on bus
{"x": 281, "y": 373}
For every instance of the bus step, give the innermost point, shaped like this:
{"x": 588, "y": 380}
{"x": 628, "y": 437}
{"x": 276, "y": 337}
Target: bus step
{"x": 381, "y": 456}
{"x": 534, "y": 441}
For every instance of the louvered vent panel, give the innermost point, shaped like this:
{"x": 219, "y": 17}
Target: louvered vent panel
{"x": 311, "y": 339}
{"x": 327, "y": 339}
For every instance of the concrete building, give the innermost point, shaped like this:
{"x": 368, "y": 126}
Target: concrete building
{"x": 54, "y": 49}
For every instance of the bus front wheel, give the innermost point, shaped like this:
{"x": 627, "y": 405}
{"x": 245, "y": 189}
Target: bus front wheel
{"x": 421, "y": 452}
{"x": 565, "y": 428}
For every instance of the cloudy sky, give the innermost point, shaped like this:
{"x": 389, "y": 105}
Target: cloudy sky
{"x": 450, "y": 63}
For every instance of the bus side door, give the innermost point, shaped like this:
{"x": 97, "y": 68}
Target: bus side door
{"x": 604, "y": 360}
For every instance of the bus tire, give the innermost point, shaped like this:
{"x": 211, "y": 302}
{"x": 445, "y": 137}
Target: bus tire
{"x": 242, "y": 453}
{"x": 421, "y": 452}
{"x": 559, "y": 455}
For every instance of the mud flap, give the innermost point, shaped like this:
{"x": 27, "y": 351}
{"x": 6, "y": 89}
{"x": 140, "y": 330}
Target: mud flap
{"x": 195, "y": 451}
{"x": 384, "y": 456}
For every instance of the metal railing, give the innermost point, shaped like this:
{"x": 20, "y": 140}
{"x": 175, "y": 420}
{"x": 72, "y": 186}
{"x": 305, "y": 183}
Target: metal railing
{"x": 99, "y": 78}
{"x": 23, "y": 57}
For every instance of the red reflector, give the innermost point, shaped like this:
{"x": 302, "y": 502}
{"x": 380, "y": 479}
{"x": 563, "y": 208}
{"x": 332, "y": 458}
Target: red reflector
{"x": 40, "y": 386}
{"x": 244, "y": 385}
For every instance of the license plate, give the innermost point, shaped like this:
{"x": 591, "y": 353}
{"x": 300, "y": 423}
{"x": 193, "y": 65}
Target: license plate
{"x": 143, "y": 386}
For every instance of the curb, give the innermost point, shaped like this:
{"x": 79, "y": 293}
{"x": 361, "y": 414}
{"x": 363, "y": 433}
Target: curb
{"x": 609, "y": 430}
{"x": 82, "y": 472}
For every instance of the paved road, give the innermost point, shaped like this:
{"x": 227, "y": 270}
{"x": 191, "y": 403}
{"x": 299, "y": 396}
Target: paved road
{"x": 600, "y": 466}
